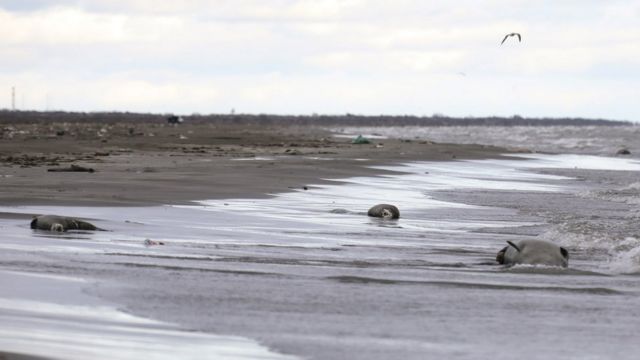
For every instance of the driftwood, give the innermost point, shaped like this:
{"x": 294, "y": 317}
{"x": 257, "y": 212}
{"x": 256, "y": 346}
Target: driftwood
{"x": 72, "y": 168}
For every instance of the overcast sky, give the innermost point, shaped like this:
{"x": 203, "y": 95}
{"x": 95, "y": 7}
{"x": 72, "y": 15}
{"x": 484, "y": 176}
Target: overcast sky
{"x": 577, "y": 58}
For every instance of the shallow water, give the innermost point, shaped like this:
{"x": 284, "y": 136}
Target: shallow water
{"x": 301, "y": 278}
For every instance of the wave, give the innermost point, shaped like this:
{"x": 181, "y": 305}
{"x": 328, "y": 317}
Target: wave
{"x": 468, "y": 285}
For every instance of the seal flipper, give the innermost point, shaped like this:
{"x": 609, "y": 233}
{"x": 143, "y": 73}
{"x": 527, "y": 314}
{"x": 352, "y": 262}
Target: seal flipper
{"x": 564, "y": 252}
{"x": 83, "y": 225}
{"x": 34, "y": 222}
{"x": 500, "y": 256}
{"x": 514, "y": 245}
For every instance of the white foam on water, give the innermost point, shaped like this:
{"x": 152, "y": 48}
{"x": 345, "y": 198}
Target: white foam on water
{"x": 625, "y": 257}
{"x": 51, "y": 316}
{"x": 586, "y": 162}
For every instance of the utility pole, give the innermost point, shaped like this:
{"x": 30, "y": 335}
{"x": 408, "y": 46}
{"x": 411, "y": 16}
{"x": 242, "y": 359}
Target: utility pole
{"x": 13, "y": 98}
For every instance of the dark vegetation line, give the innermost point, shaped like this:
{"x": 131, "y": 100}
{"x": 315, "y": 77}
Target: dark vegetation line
{"x": 7, "y": 116}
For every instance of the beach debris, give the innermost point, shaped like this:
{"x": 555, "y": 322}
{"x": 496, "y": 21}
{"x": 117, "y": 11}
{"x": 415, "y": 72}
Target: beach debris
{"x": 533, "y": 252}
{"x": 132, "y": 132}
{"x": 60, "y": 223}
{"x": 72, "y": 168}
{"x": 360, "y": 140}
{"x": 133, "y": 222}
{"x": 511, "y": 34}
{"x": 384, "y": 211}
{"x": 149, "y": 242}
{"x": 28, "y": 160}
{"x": 623, "y": 151}
{"x": 175, "y": 120}
{"x": 339, "y": 211}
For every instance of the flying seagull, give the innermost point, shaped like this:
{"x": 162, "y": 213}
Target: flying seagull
{"x": 512, "y": 34}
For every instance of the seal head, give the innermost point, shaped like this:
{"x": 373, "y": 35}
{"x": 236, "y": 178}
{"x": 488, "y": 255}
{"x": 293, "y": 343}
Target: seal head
{"x": 384, "y": 211}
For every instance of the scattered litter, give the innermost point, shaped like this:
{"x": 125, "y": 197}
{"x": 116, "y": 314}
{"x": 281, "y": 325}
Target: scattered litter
{"x": 149, "y": 242}
{"x": 174, "y": 120}
{"x": 360, "y": 140}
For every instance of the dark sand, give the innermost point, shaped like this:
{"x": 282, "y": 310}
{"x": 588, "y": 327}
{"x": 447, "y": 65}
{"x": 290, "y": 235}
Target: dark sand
{"x": 12, "y": 356}
{"x": 148, "y": 163}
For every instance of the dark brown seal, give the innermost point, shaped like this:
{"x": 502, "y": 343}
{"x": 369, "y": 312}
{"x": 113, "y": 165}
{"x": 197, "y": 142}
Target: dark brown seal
{"x": 384, "y": 211}
{"x": 60, "y": 223}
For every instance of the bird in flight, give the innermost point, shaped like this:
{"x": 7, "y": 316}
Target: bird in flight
{"x": 512, "y": 34}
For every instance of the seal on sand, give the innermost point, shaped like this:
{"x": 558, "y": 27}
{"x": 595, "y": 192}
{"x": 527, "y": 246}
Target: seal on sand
{"x": 533, "y": 252}
{"x": 384, "y": 211}
{"x": 60, "y": 223}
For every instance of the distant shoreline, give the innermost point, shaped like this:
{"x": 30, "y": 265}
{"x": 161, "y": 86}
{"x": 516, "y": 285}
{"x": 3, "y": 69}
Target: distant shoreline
{"x": 8, "y": 116}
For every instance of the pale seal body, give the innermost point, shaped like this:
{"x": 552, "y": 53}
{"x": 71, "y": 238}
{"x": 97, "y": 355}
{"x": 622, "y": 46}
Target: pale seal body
{"x": 384, "y": 211}
{"x": 533, "y": 252}
{"x": 60, "y": 223}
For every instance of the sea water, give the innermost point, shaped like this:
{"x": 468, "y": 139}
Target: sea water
{"x": 308, "y": 274}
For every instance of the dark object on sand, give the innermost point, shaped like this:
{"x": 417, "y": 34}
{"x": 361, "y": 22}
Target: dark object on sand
{"x": 624, "y": 152}
{"x": 149, "y": 242}
{"x": 360, "y": 140}
{"x": 511, "y": 34}
{"x": 72, "y": 168}
{"x": 60, "y": 223}
{"x": 384, "y": 211}
{"x": 533, "y": 252}
{"x": 175, "y": 120}
{"x": 339, "y": 211}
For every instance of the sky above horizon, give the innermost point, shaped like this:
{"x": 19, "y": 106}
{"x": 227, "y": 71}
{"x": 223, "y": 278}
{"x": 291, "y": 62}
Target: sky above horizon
{"x": 576, "y": 58}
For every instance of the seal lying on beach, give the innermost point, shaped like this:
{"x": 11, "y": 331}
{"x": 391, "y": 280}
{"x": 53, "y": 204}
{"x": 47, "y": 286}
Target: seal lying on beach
{"x": 384, "y": 211}
{"x": 60, "y": 223}
{"x": 533, "y": 252}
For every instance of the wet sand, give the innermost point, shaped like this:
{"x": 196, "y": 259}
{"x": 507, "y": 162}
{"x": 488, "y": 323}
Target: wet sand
{"x": 150, "y": 163}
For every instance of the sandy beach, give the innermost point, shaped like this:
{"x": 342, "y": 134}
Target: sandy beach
{"x": 152, "y": 162}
